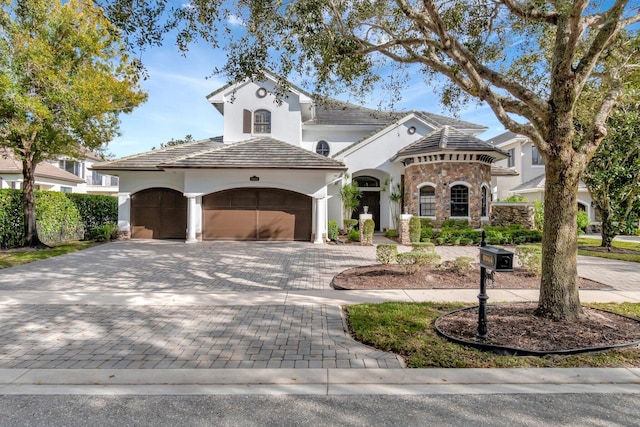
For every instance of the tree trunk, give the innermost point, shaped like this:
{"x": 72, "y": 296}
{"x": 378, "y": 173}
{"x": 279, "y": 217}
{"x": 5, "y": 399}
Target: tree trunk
{"x": 559, "y": 299}
{"x": 608, "y": 231}
{"x": 31, "y": 238}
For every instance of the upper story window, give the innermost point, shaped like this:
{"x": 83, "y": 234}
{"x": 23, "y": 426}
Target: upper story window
{"x": 459, "y": 200}
{"x": 511, "y": 162}
{"x": 366, "y": 181}
{"x": 427, "y": 201}
{"x": 322, "y": 147}
{"x": 71, "y": 166}
{"x": 96, "y": 178}
{"x": 262, "y": 121}
{"x": 536, "y": 158}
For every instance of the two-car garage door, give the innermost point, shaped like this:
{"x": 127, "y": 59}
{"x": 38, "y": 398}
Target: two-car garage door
{"x": 237, "y": 214}
{"x": 256, "y": 214}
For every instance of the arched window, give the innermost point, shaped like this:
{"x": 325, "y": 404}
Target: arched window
{"x": 262, "y": 121}
{"x": 366, "y": 181}
{"x": 427, "y": 201}
{"x": 322, "y": 147}
{"x": 459, "y": 200}
{"x": 485, "y": 202}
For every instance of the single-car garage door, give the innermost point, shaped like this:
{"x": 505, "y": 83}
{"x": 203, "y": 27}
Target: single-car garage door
{"x": 158, "y": 213}
{"x": 257, "y": 214}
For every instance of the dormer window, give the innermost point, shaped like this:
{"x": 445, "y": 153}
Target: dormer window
{"x": 322, "y": 148}
{"x": 262, "y": 121}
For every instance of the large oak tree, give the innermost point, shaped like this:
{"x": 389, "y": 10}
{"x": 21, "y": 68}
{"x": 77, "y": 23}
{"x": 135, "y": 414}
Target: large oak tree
{"x": 64, "y": 79}
{"x": 529, "y": 60}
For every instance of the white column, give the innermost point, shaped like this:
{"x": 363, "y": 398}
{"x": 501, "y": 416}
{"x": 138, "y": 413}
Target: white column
{"x": 320, "y": 219}
{"x": 124, "y": 214}
{"x": 191, "y": 218}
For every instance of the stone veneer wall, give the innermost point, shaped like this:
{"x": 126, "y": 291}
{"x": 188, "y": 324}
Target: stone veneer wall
{"x": 443, "y": 174}
{"x": 504, "y": 214}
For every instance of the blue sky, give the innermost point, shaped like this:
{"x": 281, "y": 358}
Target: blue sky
{"x": 177, "y": 87}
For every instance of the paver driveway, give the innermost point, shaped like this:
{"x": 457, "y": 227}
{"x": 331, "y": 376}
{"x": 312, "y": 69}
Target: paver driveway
{"x": 241, "y": 334}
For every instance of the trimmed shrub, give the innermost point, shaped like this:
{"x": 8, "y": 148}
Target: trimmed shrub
{"x": 57, "y": 218}
{"x": 426, "y": 223}
{"x": 386, "y": 253}
{"x": 530, "y": 258}
{"x": 412, "y": 261}
{"x": 367, "y": 231}
{"x": 353, "y": 236}
{"x": 583, "y": 222}
{"x": 462, "y": 265}
{"x": 414, "y": 229}
{"x": 426, "y": 234}
{"x": 95, "y": 209}
{"x": 423, "y": 247}
{"x": 11, "y": 219}
{"x": 102, "y": 233}
{"x": 466, "y": 242}
{"x": 455, "y": 223}
{"x": 332, "y": 230}
{"x": 391, "y": 234}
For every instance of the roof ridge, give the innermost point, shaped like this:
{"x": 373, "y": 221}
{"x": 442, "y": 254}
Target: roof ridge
{"x": 206, "y": 150}
{"x": 160, "y": 150}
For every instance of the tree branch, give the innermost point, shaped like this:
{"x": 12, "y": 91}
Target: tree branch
{"x": 527, "y": 12}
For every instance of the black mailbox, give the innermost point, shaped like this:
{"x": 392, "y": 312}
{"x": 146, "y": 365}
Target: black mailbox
{"x": 496, "y": 259}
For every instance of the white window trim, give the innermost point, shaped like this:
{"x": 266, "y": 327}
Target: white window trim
{"x": 466, "y": 184}
{"x": 488, "y": 187}
{"x": 253, "y": 122}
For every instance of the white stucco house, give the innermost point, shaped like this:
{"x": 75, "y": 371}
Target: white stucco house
{"x": 276, "y": 172}
{"x": 528, "y": 179}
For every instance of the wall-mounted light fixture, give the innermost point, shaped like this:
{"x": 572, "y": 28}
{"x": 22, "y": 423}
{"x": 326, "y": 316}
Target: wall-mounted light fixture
{"x": 254, "y": 178}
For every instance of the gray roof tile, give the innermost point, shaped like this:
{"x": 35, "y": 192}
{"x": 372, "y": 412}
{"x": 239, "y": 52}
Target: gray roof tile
{"x": 9, "y": 164}
{"x": 447, "y": 138}
{"x": 151, "y": 159}
{"x": 538, "y": 183}
{"x": 504, "y": 137}
{"x": 256, "y": 153}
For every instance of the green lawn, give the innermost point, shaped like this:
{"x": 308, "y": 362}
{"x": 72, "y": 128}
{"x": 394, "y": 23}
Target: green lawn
{"x": 623, "y": 251}
{"x": 13, "y": 257}
{"x": 407, "y": 329}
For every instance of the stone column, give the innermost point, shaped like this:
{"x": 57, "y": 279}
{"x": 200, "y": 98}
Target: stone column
{"x": 320, "y": 220}
{"x": 361, "y": 220}
{"x": 405, "y": 238}
{"x": 191, "y": 218}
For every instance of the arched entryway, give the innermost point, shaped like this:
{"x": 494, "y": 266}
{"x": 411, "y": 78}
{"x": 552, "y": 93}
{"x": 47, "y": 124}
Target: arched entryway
{"x": 370, "y": 197}
{"x": 158, "y": 213}
{"x": 256, "y": 214}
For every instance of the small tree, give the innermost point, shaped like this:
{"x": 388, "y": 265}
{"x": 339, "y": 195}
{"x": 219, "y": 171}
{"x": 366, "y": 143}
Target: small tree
{"x": 350, "y": 195}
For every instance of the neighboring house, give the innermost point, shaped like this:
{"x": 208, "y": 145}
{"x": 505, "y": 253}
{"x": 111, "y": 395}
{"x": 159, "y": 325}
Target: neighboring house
{"x": 277, "y": 171}
{"x": 525, "y": 160}
{"x": 95, "y": 182}
{"x": 47, "y": 176}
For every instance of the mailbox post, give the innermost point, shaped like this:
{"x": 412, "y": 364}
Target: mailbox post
{"x": 494, "y": 259}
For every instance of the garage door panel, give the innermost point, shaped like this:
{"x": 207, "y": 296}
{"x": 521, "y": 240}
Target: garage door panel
{"x": 158, "y": 213}
{"x": 278, "y": 215}
{"x": 230, "y": 224}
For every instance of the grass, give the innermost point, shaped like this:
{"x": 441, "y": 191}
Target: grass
{"x": 633, "y": 249}
{"x": 13, "y": 257}
{"x": 407, "y": 329}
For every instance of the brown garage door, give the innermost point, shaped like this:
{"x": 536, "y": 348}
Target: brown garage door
{"x": 257, "y": 214}
{"x": 158, "y": 213}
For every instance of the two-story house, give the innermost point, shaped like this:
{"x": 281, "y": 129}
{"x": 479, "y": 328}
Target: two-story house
{"x": 277, "y": 171}
{"x": 529, "y": 179}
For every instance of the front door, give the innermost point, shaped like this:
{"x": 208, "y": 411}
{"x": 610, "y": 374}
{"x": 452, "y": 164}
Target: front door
{"x": 372, "y": 200}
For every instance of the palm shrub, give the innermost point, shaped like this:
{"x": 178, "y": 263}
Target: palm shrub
{"x": 386, "y": 253}
{"x": 349, "y": 224}
{"x": 414, "y": 229}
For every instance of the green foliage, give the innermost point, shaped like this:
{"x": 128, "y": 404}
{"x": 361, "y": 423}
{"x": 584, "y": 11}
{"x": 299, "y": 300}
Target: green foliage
{"x": 462, "y": 265}
{"x": 103, "y": 233}
{"x": 174, "y": 142}
{"x": 412, "y": 261}
{"x": 353, "y": 236}
{"x": 583, "y": 221}
{"x": 426, "y": 223}
{"x": 391, "y": 234}
{"x": 530, "y": 258}
{"x": 367, "y": 231}
{"x": 515, "y": 198}
{"x": 386, "y": 253}
{"x": 11, "y": 218}
{"x": 332, "y": 230}
{"x": 57, "y": 218}
{"x": 349, "y": 224}
{"x": 350, "y": 195}
{"x": 538, "y": 215}
{"x": 455, "y": 223}
{"x": 423, "y": 247}
{"x": 414, "y": 229}
{"x": 95, "y": 209}
{"x": 426, "y": 234}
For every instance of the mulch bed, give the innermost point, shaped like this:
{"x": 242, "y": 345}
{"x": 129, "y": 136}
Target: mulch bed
{"x": 515, "y": 326}
{"x": 392, "y": 276}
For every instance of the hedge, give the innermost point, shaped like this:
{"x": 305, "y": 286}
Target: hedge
{"x": 59, "y": 216}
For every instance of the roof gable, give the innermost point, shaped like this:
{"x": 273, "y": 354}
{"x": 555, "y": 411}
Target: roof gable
{"x": 9, "y": 164}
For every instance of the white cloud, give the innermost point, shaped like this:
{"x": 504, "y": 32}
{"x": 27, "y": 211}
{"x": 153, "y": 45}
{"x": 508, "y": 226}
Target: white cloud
{"x": 235, "y": 20}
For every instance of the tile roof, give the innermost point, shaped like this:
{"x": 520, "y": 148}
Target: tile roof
{"x": 447, "y": 138}
{"x": 151, "y": 159}
{"x": 9, "y": 164}
{"x": 538, "y": 183}
{"x": 497, "y": 170}
{"x": 505, "y": 137}
{"x": 256, "y": 153}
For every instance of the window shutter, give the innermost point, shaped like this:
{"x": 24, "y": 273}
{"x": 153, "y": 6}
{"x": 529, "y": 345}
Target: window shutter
{"x": 246, "y": 121}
